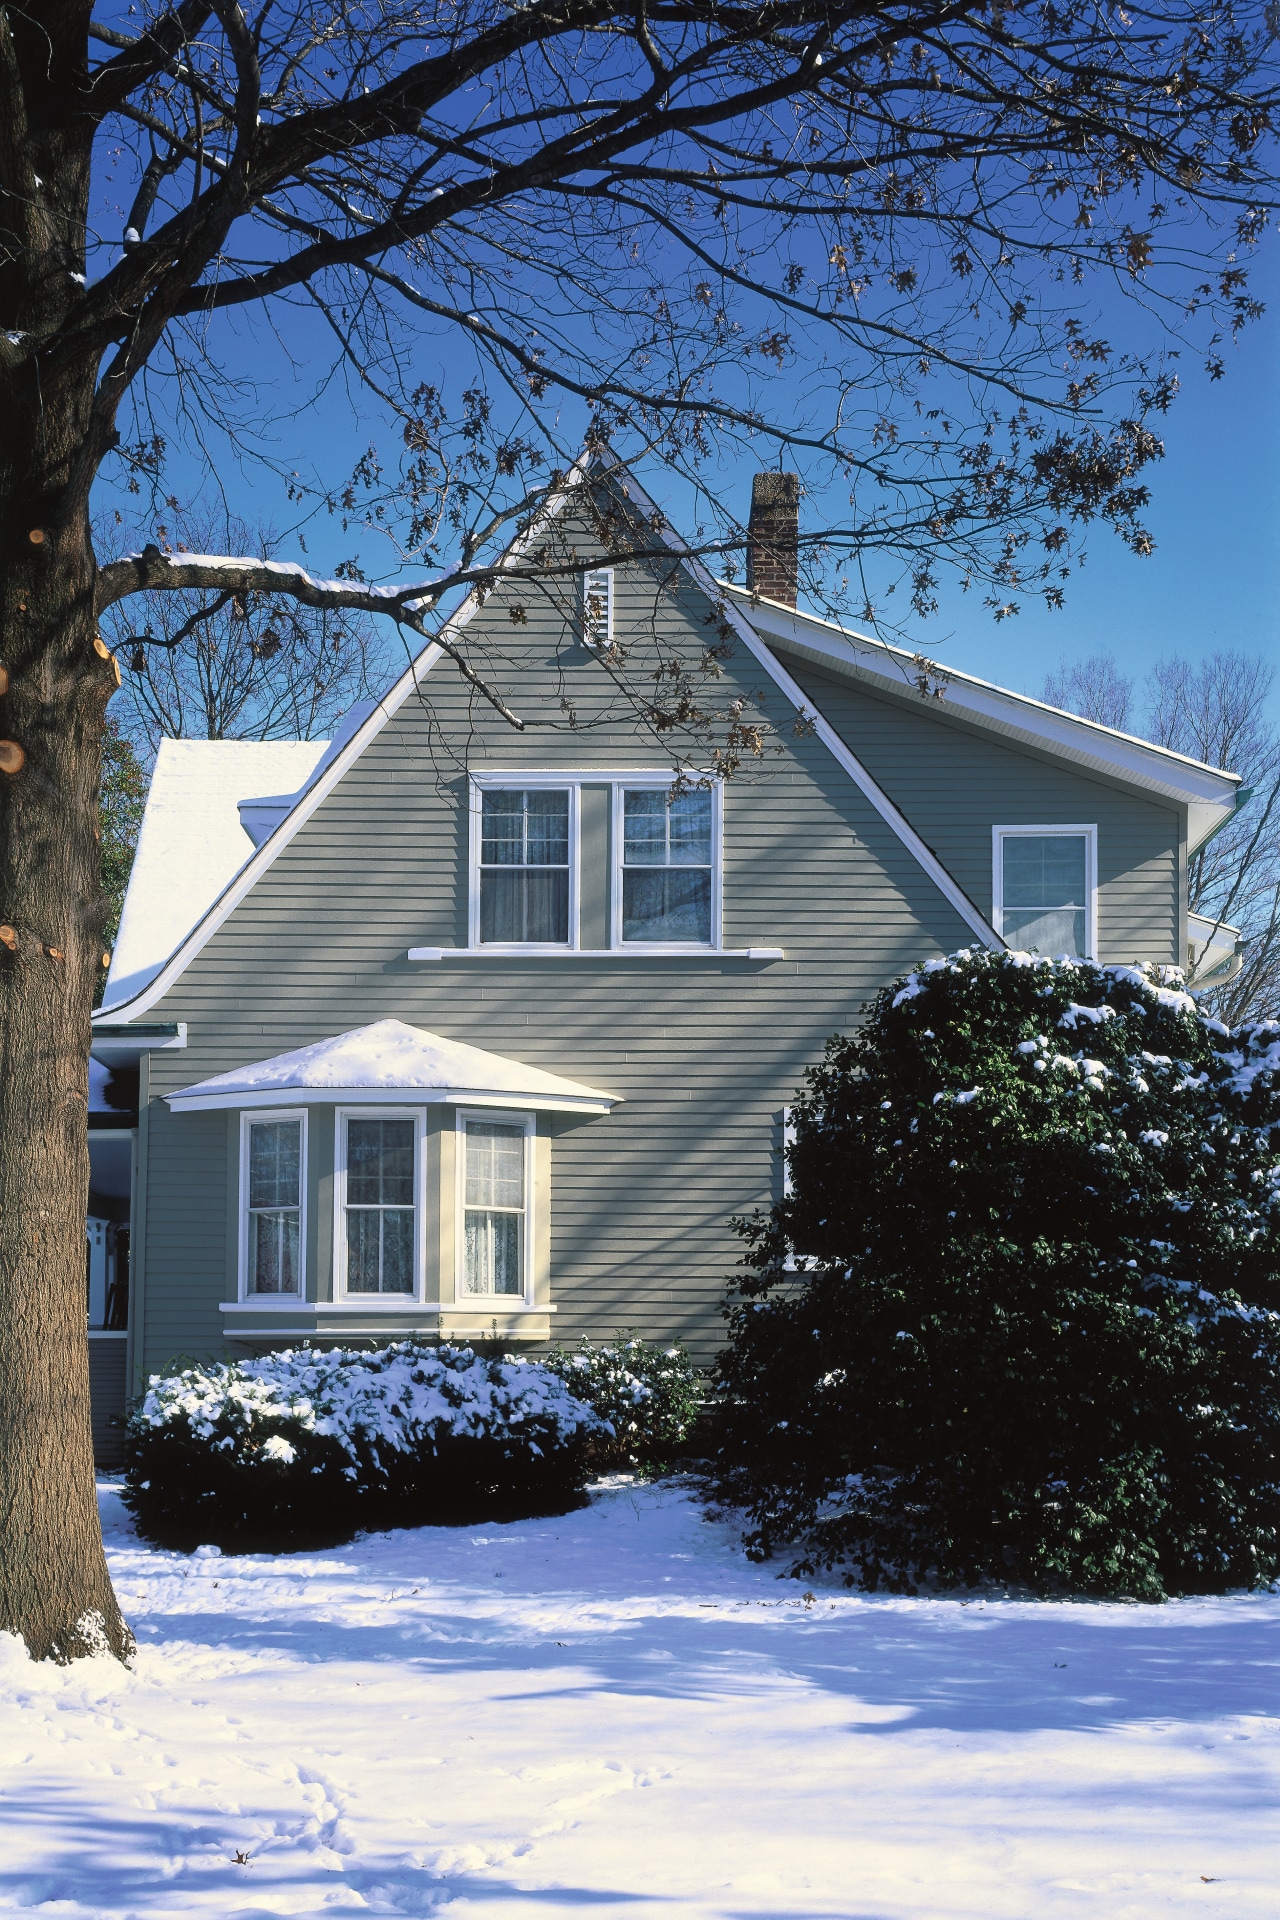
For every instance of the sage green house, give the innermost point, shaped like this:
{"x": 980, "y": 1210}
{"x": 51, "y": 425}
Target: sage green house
{"x": 452, "y": 1028}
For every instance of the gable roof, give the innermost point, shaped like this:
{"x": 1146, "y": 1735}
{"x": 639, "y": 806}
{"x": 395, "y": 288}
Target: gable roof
{"x": 192, "y": 844}
{"x": 761, "y": 626}
{"x": 384, "y": 1062}
{"x": 1208, "y": 793}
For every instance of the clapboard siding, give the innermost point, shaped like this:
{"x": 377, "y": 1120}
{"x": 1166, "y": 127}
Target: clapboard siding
{"x": 955, "y": 784}
{"x": 704, "y": 1052}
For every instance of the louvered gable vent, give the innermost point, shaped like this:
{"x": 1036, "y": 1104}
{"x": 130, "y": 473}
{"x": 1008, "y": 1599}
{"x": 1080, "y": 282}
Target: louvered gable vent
{"x": 597, "y": 606}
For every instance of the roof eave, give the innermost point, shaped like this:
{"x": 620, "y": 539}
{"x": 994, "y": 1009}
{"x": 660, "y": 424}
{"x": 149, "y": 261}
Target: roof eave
{"x": 252, "y": 1098}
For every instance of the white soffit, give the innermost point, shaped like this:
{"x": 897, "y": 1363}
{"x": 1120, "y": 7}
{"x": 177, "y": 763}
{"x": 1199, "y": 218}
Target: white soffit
{"x": 391, "y": 1063}
{"x": 1208, "y": 793}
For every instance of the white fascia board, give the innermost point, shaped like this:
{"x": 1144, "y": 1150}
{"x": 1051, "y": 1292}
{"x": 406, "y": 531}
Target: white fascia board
{"x": 250, "y": 1099}
{"x": 897, "y": 822}
{"x": 1208, "y": 793}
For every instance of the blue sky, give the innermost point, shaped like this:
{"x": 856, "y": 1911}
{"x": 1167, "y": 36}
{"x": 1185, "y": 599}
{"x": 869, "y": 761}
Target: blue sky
{"x": 1211, "y": 582}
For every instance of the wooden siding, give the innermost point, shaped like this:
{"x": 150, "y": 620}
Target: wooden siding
{"x": 955, "y": 784}
{"x": 705, "y": 1051}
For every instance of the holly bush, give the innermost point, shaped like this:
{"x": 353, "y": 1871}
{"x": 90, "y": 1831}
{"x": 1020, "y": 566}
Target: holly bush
{"x": 1016, "y": 1318}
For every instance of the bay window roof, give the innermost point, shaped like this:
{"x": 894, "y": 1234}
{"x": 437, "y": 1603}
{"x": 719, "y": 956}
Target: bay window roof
{"x": 390, "y": 1061}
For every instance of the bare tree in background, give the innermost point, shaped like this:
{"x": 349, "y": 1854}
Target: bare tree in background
{"x": 238, "y": 666}
{"x": 600, "y": 222}
{"x": 1215, "y": 710}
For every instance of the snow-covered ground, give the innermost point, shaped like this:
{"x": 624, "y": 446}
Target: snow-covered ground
{"x": 615, "y": 1714}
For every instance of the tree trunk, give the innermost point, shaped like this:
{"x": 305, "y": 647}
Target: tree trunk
{"x": 54, "y": 1587}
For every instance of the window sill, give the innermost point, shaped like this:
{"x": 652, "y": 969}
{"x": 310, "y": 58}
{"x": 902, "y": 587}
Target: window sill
{"x": 478, "y": 1303}
{"x": 629, "y": 952}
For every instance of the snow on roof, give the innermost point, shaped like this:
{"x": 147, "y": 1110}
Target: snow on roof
{"x": 387, "y": 1062}
{"x": 192, "y": 843}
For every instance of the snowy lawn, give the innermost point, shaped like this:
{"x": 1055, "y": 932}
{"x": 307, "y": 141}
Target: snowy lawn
{"x": 614, "y": 1713}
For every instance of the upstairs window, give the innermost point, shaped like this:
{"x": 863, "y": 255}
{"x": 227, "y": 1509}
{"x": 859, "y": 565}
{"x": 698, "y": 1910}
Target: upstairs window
{"x": 668, "y": 867}
{"x": 272, "y": 1171}
{"x": 1044, "y": 890}
{"x": 379, "y": 1204}
{"x": 495, "y": 1206}
{"x": 524, "y": 866}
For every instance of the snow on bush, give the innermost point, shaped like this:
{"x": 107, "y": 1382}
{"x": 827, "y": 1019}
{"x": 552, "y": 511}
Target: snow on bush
{"x": 302, "y": 1447}
{"x": 649, "y": 1396}
{"x": 1033, "y": 1333}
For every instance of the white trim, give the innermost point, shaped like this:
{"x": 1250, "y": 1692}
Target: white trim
{"x": 1208, "y": 793}
{"x": 999, "y": 834}
{"x": 541, "y": 782}
{"x": 263, "y": 1097}
{"x": 463, "y": 1301}
{"x": 637, "y": 783}
{"x": 380, "y": 1302}
{"x": 633, "y": 950}
{"x": 954, "y": 895}
{"x": 399, "y": 1303}
{"x": 290, "y": 1300}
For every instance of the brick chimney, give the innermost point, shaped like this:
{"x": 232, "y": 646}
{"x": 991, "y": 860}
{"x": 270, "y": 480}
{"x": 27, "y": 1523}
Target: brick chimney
{"x": 773, "y": 537}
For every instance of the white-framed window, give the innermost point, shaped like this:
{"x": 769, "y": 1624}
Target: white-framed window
{"x": 1044, "y": 889}
{"x": 273, "y": 1204}
{"x": 495, "y": 1195}
{"x": 378, "y": 1187}
{"x": 524, "y": 861}
{"x": 597, "y": 607}
{"x": 666, "y": 865}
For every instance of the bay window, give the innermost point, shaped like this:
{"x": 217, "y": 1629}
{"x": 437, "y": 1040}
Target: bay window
{"x": 272, "y": 1187}
{"x": 378, "y": 1196}
{"x": 495, "y": 1153}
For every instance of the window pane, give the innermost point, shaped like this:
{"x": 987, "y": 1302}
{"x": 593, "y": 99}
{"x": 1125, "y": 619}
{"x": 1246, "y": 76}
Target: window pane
{"x": 495, "y": 1165}
{"x": 1044, "y": 877}
{"x": 273, "y": 1253}
{"x": 524, "y": 906}
{"x": 520, "y": 829}
{"x": 380, "y": 1163}
{"x": 493, "y": 1253}
{"x": 363, "y": 1247}
{"x": 397, "y": 1250}
{"x": 690, "y": 826}
{"x": 669, "y": 905}
{"x": 275, "y": 1158}
{"x": 644, "y": 823}
{"x": 1053, "y": 933}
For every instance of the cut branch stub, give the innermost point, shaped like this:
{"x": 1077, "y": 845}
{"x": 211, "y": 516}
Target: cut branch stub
{"x": 4, "y": 681}
{"x": 12, "y": 758}
{"x": 9, "y": 938}
{"x": 100, "y": 647}
{"x": 36, "y": 536}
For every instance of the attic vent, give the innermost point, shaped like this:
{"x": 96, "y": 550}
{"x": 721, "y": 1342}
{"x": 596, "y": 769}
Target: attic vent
{"x": 597, "y": 607}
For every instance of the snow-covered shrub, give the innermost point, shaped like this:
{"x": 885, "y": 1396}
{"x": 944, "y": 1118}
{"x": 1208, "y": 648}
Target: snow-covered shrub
{"x": 1033, "y": 1333}
{"x": 302, "y": 1447}
{"x": 649, "y": 1396}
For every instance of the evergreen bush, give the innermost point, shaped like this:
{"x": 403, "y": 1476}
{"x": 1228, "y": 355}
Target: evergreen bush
{"x": 301, "y": 1448}
{"x": 649, "y": 1398}
{"x": 1017, "y": 1317}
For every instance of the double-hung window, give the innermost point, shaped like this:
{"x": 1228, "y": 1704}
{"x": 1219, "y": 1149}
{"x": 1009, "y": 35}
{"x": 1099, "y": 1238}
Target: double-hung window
{"x": 667, "y": 869}
{"x": 272, "y": 1186}
{"x": 495, "y": 1204}
{"x": 378, "y": 1203}
{"x": 525, "y": 866}
{"x": 1044, "y": 889}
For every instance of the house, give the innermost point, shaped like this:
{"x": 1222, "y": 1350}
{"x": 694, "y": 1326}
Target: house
{"x": 451, "y": 1028}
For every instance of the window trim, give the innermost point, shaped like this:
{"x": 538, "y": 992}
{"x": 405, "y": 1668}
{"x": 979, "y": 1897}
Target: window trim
{"x": 999, "y": 834}
{"x": 482, "y": 783}
{"x": 528, "y": 1122}
{"x": 379, "y": 1302}
{"x": 257, "y": 1116}
{"x": 636, "y": 783}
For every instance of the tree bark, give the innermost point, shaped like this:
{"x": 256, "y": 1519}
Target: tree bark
{"x": 55, "y": 1590}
